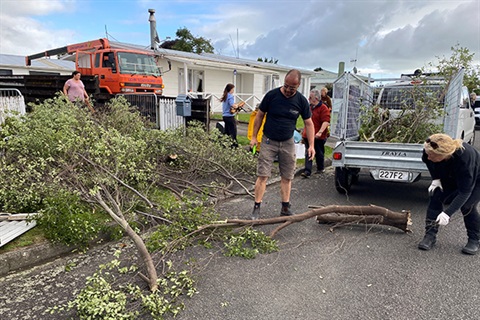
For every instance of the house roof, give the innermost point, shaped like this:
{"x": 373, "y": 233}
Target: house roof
{"x": 215, "y": 60}
{"x": 9, "y": 60}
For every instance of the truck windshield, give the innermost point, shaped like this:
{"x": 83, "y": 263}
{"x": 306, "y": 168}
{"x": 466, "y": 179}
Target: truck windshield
{"x": 399, "y": 97}
{"x": 135, "y": 63}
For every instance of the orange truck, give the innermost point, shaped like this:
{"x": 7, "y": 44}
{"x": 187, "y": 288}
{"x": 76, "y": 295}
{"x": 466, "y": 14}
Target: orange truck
{"x": 119, "y": 68}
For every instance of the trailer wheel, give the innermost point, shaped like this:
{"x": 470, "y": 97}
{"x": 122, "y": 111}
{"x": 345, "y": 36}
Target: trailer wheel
{"x": 343, "y": 180}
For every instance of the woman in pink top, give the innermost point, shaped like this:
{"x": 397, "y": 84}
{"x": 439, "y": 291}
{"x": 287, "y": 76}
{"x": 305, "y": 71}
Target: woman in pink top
{"x": 74, "y": 88}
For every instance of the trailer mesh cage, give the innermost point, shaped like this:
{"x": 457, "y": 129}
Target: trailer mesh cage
{"x": 349, "y": 94}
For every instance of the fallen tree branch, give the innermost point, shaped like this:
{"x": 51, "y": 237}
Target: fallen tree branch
{"x": 360, "y": 214}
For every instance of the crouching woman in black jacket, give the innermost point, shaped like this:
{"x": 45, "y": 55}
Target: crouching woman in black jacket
{"x": 454, "y": 168}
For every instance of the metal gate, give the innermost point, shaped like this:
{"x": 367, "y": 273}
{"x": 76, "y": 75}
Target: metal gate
{"x": 11, "y": 103}
{"x": 159, "y": 110}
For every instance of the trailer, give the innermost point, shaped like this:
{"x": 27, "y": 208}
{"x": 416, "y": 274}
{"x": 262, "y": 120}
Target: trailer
{"x": 386, "y": 161}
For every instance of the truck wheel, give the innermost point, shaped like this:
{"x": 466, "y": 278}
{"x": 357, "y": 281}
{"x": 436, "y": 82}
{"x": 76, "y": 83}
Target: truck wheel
{"x": 343, "y": 180}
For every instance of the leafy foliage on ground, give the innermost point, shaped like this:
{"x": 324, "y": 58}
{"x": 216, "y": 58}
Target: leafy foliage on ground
{"x": 106, "y": 296}
{"x": 81, "y": 170}
{"x": 57, "y": 156}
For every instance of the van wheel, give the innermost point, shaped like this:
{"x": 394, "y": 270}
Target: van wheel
{"x": 343, "y": 180}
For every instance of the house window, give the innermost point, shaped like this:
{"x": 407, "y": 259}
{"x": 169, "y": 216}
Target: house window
{"x": 195, "y": 81}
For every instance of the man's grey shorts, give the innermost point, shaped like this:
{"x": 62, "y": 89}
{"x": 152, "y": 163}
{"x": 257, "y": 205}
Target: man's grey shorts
{"x": 287, "y": 159}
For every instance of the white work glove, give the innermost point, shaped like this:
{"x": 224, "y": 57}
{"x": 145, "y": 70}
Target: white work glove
{"x": 435, "y": 184}
{"x": 443, "y": 219}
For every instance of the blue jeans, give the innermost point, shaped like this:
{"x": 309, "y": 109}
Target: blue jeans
{"x": 319, "y": 146}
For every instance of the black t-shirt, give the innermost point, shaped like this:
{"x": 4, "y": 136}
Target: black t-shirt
{"x": 282, "y": 114}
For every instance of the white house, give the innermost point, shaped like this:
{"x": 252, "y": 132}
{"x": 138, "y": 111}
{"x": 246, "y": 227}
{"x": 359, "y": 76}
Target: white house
{"x": 207, "y": 75}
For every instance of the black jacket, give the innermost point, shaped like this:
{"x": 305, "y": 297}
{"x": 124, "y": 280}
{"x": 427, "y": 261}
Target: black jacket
{"x": 458, "y": 173}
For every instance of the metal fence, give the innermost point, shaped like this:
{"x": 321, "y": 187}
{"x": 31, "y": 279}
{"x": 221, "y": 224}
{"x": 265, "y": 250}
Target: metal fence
{"x": 159, "y": 110}
{"x": 11, "y": 102}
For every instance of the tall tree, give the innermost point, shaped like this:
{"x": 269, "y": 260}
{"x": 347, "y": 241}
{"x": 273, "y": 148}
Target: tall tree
{"x": 187, "y": 42}
{"x": 461, "y": 57}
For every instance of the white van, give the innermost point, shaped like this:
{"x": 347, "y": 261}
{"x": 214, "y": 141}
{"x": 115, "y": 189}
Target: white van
{"x": 459, "y": 120}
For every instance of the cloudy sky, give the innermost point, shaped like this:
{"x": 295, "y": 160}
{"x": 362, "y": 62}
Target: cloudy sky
{"x": 383, "y": 36}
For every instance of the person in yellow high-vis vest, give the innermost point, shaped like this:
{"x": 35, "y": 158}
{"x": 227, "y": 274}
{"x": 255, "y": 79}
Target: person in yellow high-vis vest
{"x": 250, "y": 128}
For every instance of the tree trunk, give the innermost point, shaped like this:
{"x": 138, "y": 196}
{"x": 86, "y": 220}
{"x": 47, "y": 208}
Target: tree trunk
{"x": 336, "y": 214}
{"x": 142, "y": 249}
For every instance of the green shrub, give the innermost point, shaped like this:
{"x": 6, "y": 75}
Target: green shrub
{"x": 66, "y": 219}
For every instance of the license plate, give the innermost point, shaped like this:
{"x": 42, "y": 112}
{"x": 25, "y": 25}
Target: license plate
{"x": 392, "y": 175}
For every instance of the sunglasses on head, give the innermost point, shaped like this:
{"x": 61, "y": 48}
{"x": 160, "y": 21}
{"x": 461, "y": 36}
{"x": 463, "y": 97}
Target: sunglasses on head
{"x": 434, "y": 145}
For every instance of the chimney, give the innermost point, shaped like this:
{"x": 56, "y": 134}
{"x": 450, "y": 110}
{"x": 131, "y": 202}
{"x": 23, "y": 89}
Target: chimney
{"x": 154, "y": 39}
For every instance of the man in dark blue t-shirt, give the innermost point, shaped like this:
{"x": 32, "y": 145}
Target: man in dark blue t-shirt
{"x": 281, "y": 107}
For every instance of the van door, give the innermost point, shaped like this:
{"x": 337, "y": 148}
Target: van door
{"x": 467, "y": 117}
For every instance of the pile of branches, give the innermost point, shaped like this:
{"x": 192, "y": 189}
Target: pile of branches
{"x": 418, "y": 117}
{"x": 115, "y": 163}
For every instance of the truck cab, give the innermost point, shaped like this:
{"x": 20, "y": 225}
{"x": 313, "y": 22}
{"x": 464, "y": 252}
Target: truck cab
{"x": 122, "y": 71}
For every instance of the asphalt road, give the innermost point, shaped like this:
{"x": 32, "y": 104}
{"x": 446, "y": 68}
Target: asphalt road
{"x": 350, "y": 272}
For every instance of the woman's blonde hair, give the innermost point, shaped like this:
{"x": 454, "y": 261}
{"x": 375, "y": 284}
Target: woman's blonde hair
{"x": 443, "y": 144}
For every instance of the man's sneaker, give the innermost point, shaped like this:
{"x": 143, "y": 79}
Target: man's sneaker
{"x": 256, "y": 213}
{"x": 427, "y": 242}
{"x": 286, "y": 212}
{"x": 319, "y": 171}
{"x": 305, "y": 175}
{"x": 471, "y": 247}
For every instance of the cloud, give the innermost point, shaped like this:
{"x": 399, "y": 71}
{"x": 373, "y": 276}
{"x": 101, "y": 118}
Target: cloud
{"x": 25, "y": 8}
{"x": 21, "y": 34}
{"x": 382, "y": 36}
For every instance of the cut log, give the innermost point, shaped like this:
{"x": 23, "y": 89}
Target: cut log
{"x": 369, "y": 215}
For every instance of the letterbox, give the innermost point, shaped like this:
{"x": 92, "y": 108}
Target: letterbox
{"x": 184, "y": 105}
